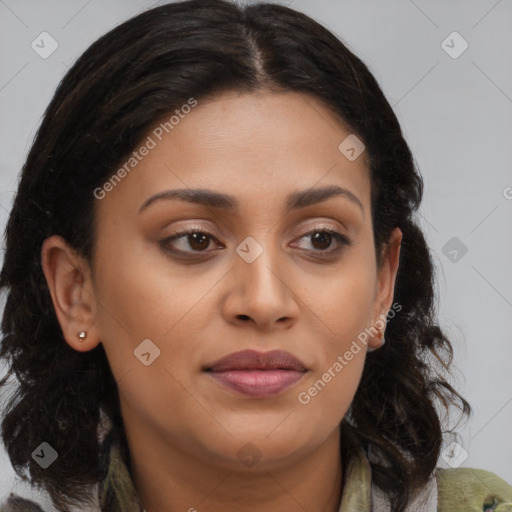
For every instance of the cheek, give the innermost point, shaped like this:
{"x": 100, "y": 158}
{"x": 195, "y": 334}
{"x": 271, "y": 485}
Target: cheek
{"x": 342, "y": 303}
{"x": 145, "y": 300}
{"x": 142, "y": 296}
{"x": 331, "y": 390}
{"x": 324, "y": 400}
{"x": 344, "y": 307}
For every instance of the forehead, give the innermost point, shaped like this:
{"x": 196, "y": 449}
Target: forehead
{"x": 262, "y": 144}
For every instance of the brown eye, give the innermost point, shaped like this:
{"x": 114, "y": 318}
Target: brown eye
{"x": 322, "y": 239}
{"x": 198, "y": 241}
{"x": 187, "y": 242}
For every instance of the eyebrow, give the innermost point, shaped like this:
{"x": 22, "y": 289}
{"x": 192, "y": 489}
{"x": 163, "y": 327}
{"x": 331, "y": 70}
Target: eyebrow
{"x": 294, "y": 201}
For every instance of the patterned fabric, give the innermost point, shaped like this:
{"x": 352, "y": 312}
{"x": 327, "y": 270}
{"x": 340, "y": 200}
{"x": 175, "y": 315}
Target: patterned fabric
{"x": 116, "y": 491}
{"x": 449, "y": 490}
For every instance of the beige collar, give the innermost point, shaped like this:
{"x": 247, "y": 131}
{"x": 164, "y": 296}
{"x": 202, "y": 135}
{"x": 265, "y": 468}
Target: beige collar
{"x": 359, "y": 495}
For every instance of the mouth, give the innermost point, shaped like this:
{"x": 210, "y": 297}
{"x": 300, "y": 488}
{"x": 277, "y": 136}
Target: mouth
{"x": 257, "y": 374}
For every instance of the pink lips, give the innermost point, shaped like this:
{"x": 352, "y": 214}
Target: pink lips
{"x": 258, "y": 374}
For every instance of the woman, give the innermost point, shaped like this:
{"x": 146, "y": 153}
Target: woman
{"x": 213, "y": 229}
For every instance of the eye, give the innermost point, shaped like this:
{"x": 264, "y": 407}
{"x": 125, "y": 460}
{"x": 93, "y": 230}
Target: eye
{"x": 322, "y": 238}
{"x": 195, "y": 239}
{"x": 199, "y": 241}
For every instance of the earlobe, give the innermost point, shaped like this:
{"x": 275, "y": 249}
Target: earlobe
{"x": 68, "y": 279}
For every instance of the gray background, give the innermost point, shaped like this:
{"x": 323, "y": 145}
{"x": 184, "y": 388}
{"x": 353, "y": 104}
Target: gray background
{"x": 456, "y": 114}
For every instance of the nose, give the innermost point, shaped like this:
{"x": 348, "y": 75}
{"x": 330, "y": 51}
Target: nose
{"x": 260, "y": 291}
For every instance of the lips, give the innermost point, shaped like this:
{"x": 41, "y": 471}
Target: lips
{"x": 253, "y": 360}
{"x": 257, "y": 374}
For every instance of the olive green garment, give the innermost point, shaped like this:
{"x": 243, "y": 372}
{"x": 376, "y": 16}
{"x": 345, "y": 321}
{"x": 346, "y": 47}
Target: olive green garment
{"x": 455, "y": 490}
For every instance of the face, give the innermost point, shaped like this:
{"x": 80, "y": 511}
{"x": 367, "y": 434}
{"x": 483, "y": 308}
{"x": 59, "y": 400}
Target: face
{"x": 286, "y": 262}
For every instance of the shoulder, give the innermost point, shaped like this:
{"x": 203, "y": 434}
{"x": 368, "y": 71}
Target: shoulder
{"x": 468, "y": 490}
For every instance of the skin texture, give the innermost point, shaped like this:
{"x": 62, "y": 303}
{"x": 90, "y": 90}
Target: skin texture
{"x": 184, "y": 429}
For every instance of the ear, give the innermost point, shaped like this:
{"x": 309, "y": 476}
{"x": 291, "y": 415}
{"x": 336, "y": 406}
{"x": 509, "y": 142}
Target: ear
{"x": 386, "y": 284}
{"x": 69, "y": 280}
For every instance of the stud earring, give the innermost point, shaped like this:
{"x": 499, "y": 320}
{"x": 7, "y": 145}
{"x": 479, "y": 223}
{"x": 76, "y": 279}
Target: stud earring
{"x": 82, "y": 335}
{"x": 382, "y": 341}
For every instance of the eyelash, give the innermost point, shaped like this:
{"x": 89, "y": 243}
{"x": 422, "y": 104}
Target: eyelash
{"x": 341, "y": 239}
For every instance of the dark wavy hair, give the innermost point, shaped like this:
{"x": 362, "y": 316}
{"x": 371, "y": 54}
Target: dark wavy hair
{"x": 123, "y": 84}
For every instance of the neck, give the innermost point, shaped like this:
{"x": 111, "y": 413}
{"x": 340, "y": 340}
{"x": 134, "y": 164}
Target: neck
{"x": 167, "y": 479}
